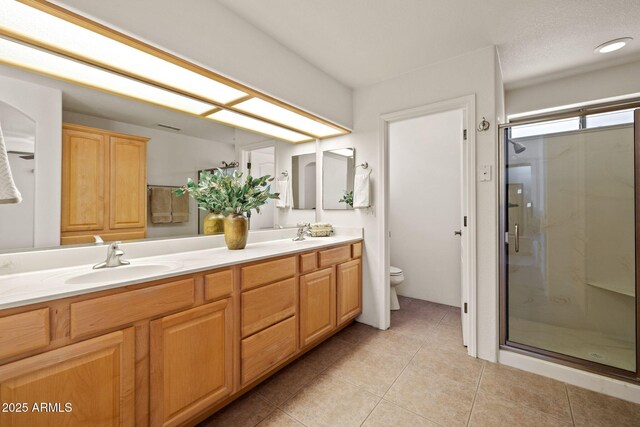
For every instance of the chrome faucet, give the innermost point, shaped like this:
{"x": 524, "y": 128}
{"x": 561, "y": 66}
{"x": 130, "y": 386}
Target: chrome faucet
{"x": 303, "y": 230}
{"x": 113, "y": 257}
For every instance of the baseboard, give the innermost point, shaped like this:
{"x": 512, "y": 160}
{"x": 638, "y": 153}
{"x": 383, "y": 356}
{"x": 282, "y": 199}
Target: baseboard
{"x": 588, "y": 380}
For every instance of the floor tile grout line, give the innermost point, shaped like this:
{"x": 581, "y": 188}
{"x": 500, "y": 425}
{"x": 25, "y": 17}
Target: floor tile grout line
{"x": 566, "y": 390}
{"x": 371, "y": 412}
{"x": 273, "y": 409}
{"x": 475, "y": 396}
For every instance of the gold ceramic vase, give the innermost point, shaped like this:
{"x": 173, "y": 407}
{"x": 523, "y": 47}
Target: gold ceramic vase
{"x": 213, "y": 223}
{"x": 236, "y": 231}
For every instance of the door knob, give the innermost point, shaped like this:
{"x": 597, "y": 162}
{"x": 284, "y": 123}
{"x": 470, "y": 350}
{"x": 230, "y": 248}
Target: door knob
{"x": 457, "y": 233}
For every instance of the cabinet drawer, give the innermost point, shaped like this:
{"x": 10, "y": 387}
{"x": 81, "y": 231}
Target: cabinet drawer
{"x": 308, "y": 262}
{"x": 218, "y": 285}
{"x": 108, "y": 312}
{"x": 24, "y": 332}
{"x": 268, "y": 305}
{"x": 356, "y": 250}
{"x": 267, "y": 272}
{"x": 335, "y": 256}
{"x": 264, "y": 350}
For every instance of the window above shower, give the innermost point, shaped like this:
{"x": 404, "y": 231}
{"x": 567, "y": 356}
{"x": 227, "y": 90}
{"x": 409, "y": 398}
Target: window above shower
{"x": 589, "y": 121}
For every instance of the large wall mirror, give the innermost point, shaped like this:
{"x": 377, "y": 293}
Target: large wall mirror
{"x": 115, "y": 152}
{"x": 18, "y": 132}
{"x": 338, "y": 172}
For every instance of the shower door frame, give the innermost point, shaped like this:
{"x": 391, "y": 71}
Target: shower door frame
{"x": 539, "y": 353}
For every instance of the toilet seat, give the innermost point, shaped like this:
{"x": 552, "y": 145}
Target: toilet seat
{"x": 395, "y": 271}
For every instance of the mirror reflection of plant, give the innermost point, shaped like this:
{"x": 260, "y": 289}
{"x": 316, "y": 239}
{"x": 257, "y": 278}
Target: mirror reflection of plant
{"x": 347, "y": 198}
{"x": 228, "y": 194}
{"x": 205, "y": 191}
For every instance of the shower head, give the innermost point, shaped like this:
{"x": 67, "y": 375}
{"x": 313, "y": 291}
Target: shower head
{"x": 517, "y": 147}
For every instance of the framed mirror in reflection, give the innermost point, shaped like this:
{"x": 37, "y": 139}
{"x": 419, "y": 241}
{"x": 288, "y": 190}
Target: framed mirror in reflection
{"x": 338, "y": 173}
{"x": 304, "y": 181}
{"x": 106, "y": 155}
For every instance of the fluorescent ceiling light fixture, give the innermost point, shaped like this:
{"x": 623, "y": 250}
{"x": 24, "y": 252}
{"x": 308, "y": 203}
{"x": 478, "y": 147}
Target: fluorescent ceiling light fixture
{"x": 49, "y": 31}
{"x": 613, "y": 45}
{"x": 275, "y": 113}
{"x": 43, "y": 62}
{"x": 255, "y": 125}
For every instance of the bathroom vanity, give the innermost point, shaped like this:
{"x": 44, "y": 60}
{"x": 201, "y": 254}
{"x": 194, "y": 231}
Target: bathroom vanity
{"x": 170, "y": 350}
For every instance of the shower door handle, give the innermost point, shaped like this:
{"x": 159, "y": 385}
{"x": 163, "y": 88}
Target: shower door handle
{"x": 517, "y": 243}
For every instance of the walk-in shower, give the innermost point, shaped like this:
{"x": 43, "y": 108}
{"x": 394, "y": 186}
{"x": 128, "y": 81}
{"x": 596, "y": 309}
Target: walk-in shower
{"x": 568, "y": 239}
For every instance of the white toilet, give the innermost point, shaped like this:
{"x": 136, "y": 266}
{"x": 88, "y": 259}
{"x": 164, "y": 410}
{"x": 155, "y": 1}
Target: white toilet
{"x": 395, "y": 278}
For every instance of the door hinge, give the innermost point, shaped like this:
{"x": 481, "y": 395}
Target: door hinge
{"x": 465, "y": 220}
{"x": 464, "y": 134}
{"x": 465, "y": 308}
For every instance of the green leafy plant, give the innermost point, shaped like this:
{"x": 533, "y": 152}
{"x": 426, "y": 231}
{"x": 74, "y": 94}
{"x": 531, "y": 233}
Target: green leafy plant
{"x": 205, "y": 192}
{"x": 217, "y": 192}
{"x": 347, "y": 198}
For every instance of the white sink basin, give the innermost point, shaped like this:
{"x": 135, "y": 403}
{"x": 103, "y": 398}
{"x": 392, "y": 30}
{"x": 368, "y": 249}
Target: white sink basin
{"x": 116, "y": 274}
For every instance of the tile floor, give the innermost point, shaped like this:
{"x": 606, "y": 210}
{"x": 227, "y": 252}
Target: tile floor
{"x": 417, "y": 373}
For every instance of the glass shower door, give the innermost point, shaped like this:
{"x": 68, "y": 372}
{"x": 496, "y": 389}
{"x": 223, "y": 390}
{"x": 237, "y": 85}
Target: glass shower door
{"x": 569, "y": 278}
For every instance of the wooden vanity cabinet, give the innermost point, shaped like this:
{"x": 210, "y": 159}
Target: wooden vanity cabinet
{"x": 317, "y": 305}
{"x": 349, "y": 291}
{"x": 172, "y": 351}
{"x": 95, "y": 377}
{"x": 191, "y": 362}
{"x": 104, "y": 188}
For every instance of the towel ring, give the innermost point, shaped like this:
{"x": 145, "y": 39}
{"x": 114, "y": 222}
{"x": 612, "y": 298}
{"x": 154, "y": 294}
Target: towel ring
{"x": 285, "y": 173}
{"x": 364, "y": 165}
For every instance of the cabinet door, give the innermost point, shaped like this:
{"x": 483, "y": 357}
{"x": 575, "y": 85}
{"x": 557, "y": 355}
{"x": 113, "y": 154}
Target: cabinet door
{"x": 317, "y": 305}
{"x": 128, "y": 198}
{"x": 191, "y": 362}
{"x": 85, "y": 159}
{"x": 349, "y": 290}
{"x": 95, "y": 377}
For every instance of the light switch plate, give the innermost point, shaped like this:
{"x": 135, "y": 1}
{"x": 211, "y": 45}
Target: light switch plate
{"x": 485, "y": 173}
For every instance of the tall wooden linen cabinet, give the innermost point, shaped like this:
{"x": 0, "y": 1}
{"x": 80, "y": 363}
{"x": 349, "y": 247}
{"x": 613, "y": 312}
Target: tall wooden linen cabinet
{"x": 104, "y": 177}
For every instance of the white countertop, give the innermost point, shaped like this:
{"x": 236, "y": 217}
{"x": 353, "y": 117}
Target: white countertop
{"x": 44, "y": 285}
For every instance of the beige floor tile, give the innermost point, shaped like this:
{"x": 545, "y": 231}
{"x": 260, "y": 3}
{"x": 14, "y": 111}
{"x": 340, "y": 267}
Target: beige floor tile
{"x": 451, "y": 363}
{"x": 389, "y": 342}
{"x": 279, "y": 419}
{"x": 452, "y": 318}
{"x": 423, "y": 308}
{"x": 433, "y": 396}
{"x": 372, "y": 371}
{"x": 356, "y": 332}
{"x": 595, "y": 409}
{"x": 534, "y": 391}
{"x": 287, "y": 382}
{"x": 328, "y": 401}
{"x": 387, "y": 414}
{"x": 447, "y": 336}
{"x": 247, "y": 411}
{"x": 489, "y": 411}
{"x": 412, "y": 324}
{"x": 327, "y": 353}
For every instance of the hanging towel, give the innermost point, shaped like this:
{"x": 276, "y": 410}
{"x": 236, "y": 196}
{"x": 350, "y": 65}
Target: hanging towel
{"x": 8, "y": 191}
{"x": 160, "y": 205}
{"x": 179, "y": 208}
{"x": 283, "y": 186}
{"x": 362, "y": 190}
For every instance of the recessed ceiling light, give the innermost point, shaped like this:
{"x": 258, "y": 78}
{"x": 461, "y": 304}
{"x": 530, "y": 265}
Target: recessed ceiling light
{"x": 613, "y": 45}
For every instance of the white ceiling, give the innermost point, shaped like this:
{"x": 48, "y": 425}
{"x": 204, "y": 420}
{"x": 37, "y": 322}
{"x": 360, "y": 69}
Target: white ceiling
{"x": 79, "y": 99}
{"x": 360, "y": 42}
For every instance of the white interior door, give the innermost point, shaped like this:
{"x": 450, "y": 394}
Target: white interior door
{"x": 465, "y": 235}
